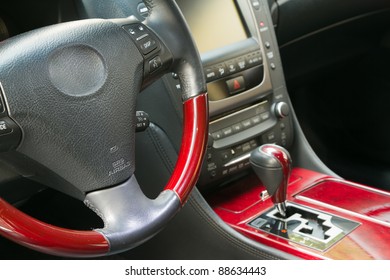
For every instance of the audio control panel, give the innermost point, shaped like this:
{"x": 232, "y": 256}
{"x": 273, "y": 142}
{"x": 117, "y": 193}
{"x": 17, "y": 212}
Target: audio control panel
{"x": 233, "y": 138}
{"x": 241, "y": 125}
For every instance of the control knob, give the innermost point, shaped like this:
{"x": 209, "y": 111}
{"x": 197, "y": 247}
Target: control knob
{"x": 282, "y": 110}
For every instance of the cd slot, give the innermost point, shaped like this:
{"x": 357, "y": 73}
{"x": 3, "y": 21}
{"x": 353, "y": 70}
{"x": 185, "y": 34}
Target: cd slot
{"x": 242, "y": 125}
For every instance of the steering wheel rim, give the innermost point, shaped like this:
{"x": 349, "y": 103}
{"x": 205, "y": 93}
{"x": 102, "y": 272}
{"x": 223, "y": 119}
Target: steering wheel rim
{"x": 132, "y": 218}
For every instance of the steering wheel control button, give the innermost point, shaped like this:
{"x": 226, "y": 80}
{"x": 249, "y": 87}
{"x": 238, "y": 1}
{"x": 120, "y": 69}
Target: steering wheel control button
{"x": 143, "y": 121}
{"x": 155, "y": 64}
{"x": 10, "y": 134}
{"x": 143, "y": 37}
{"x": 236, "y": 85}
{"x": 147, "y": 44}
{"x": 157, "y": 56}
{"x": 143, "y": 11}
{"x": 4, "y": 128}
{"x": 175, "y": 76}
{"x": 137, "y": 31}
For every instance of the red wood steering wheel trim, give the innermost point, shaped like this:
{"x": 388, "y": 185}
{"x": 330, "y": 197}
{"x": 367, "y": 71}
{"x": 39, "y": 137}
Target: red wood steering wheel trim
{"x": 29, "y": 232}
{"x": 194, "y": 141}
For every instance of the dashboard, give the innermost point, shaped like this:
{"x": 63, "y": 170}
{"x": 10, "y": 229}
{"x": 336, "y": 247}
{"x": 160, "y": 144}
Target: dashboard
{"x": 248, "y": 106}
{"x": 248, "y": 102}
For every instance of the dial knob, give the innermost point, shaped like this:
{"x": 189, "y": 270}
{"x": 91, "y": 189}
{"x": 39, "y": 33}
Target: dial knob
{"x": 282, "y": 110}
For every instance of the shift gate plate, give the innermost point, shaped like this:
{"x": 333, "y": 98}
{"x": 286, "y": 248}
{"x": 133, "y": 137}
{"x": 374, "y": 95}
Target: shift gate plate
{"x": 305, "y": 226}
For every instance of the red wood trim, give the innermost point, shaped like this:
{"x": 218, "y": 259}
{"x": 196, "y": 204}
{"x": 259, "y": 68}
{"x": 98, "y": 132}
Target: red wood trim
{"x": 194, "y": 141}
{"x": 29, "y": 232}
{"x": 239, "y": 203}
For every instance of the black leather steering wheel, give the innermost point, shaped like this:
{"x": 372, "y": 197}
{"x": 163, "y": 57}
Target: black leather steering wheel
{"x": 68, "y": 121}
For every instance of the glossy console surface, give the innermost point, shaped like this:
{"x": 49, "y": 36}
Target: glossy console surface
{"x": 240, "y": 204}
{"x": 351, "y": 197}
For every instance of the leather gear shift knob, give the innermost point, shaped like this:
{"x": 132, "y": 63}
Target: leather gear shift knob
{"x": 272, "y": 164}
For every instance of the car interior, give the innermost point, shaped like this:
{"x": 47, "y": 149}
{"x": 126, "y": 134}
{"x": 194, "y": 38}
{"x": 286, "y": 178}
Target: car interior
{"x": 208, "y": 129}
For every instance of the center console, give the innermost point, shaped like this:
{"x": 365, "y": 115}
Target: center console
{"x": 248, "y": 103}
{"x": 327, "y": 218}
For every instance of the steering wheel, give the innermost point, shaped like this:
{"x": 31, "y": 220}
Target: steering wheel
{"x": 68, "y": 120}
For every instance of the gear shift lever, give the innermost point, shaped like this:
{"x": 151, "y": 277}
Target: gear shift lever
{"x": 272, "y": 164}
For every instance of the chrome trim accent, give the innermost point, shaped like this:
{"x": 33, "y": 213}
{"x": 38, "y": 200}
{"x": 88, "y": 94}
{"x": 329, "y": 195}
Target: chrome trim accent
{"x": 278, "y": 109}
{"x": 305, "y": 226}
{"x": 332, "y": 232}
{"x": 238, "y": 159}
{"x": 130, "y": 218}
{"x": 282, "y": 209}
{"x": 264, "y": 195}
{"x": 238, "y": 112}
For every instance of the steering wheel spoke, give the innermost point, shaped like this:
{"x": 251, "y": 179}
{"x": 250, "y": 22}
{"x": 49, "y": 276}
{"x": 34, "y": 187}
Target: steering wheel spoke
{"x": 130, "y": 218}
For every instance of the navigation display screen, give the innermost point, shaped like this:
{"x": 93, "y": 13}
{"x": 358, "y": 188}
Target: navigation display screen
{"x": 213, "y": 23}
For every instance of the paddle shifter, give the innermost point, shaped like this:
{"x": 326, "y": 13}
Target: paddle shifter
{"x": 272, "y": 164}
